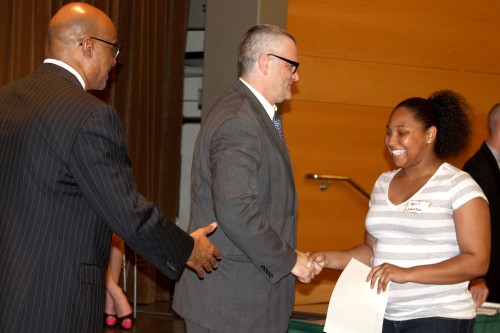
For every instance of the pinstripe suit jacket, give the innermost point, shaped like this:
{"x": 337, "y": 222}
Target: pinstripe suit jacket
{"x": 242, "y": 177}
{"x": 65, "y": 185}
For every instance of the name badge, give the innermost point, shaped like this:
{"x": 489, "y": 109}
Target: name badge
{"x": 417, "y": 206}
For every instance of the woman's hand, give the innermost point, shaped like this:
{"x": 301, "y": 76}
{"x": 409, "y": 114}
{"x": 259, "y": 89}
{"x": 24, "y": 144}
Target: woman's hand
{"x": 479, "y": 291}
{"x": 386, "y": 273}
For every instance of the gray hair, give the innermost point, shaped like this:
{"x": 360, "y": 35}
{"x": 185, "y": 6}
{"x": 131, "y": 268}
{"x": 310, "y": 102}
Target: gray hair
{"x": 261, "y": 39}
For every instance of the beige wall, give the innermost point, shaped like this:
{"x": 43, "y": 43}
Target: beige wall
{"x": 358, "y": 60}
{"x": 226, "y": 22}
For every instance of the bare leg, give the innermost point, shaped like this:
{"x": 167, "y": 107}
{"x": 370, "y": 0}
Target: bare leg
{"x": 116, "y": 301}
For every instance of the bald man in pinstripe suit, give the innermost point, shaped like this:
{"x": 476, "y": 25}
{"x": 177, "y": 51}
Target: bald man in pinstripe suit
{"x": 66, "y": 184}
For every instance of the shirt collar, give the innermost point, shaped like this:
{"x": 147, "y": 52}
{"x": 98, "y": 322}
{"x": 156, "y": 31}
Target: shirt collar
{"x": 495, "y": 153}
{"x": 270, "y": 109}
{"x": 68, "y": 68}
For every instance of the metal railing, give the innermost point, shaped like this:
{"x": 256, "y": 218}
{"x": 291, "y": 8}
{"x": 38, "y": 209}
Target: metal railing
{"x": 328, "y": 179}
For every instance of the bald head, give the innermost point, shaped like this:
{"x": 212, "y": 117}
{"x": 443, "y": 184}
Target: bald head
{"x": 71, "y": 24}
{"x": 494, "y": 118}
{"x": 84, "y": 38}
{"x": 494, "y": 127}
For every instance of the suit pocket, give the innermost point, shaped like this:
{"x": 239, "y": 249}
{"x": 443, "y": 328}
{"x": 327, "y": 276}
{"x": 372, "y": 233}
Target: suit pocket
{"x": 237, "y": 257}
{"x": 91, "y": 293}
{"x": 91, "y": 274}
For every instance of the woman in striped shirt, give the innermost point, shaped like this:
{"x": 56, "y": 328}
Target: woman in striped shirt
{"x": 428, "y": 225}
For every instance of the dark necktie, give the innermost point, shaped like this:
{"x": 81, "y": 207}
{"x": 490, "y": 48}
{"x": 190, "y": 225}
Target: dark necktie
{"x": 277, "y": 124}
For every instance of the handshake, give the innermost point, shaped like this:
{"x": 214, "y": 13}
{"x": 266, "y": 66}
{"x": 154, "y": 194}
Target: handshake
{"x": 205, "y": 257}
{"x": 307, "y": 266}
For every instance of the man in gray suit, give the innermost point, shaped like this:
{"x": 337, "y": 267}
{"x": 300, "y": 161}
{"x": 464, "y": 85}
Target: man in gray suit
{"x": 242, "y": 177}
{"x": 66, "y": 184}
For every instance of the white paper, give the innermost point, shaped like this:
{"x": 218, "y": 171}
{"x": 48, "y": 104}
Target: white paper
{"x": 489, "y": 308}
{"x": 355, "y": 307}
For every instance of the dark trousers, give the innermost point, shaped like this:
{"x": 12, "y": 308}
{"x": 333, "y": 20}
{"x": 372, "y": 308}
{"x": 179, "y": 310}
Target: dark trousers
{"x": 429, "y": 325}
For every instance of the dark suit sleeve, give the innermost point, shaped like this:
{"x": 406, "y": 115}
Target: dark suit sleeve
{"x": 101, "y": 168}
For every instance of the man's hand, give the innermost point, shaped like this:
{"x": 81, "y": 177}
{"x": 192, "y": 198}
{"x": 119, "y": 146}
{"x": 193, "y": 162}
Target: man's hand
{"x": 319, "y": 260}
{"x": 304, "y": 269}
{"x": 205, "y": 255}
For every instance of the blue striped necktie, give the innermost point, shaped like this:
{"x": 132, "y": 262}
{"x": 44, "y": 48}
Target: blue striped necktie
{"x": 277, "y": 124}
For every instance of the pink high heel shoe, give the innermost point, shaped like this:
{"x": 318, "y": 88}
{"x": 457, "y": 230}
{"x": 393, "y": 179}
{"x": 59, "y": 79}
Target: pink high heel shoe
{"x": 110, "y": 320}
{"x": 127, "y": 325}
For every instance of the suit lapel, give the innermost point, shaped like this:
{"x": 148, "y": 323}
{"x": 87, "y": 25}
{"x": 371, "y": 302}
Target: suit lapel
{"x": 266, "y": 123}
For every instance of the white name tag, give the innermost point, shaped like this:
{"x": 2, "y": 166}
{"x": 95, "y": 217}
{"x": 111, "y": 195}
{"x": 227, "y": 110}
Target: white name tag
{"x": 417, "y": 206}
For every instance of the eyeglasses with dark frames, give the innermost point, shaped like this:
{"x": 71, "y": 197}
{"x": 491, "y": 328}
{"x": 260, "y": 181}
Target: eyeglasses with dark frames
{"x": 116, "y": 48}
{"x": 295, "y": 65}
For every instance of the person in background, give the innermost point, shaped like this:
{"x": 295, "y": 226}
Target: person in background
{"x": 117, "y": 309}
{"x": 427, "y": 228}
{"x": 242, "y": 177}
{"x": 484, "y": 167}
{"x": 67, "y": 185}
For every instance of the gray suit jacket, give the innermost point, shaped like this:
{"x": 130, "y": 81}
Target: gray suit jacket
{"x": 242, "y": 177}
{"x": 65, "y": 185}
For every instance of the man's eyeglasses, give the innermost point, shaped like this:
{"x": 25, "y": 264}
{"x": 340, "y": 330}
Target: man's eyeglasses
{"x": 295, "y": 65}
{"x": 116, "y": 48}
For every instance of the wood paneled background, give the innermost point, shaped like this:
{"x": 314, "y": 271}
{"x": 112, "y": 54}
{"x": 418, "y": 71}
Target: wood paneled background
{"x": 358, "y": 60}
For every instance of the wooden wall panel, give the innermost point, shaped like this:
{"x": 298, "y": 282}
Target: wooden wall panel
{"x": 358, "y": 60}
{"x": 448, "y": 34}
{"x": 374, "y": 84}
